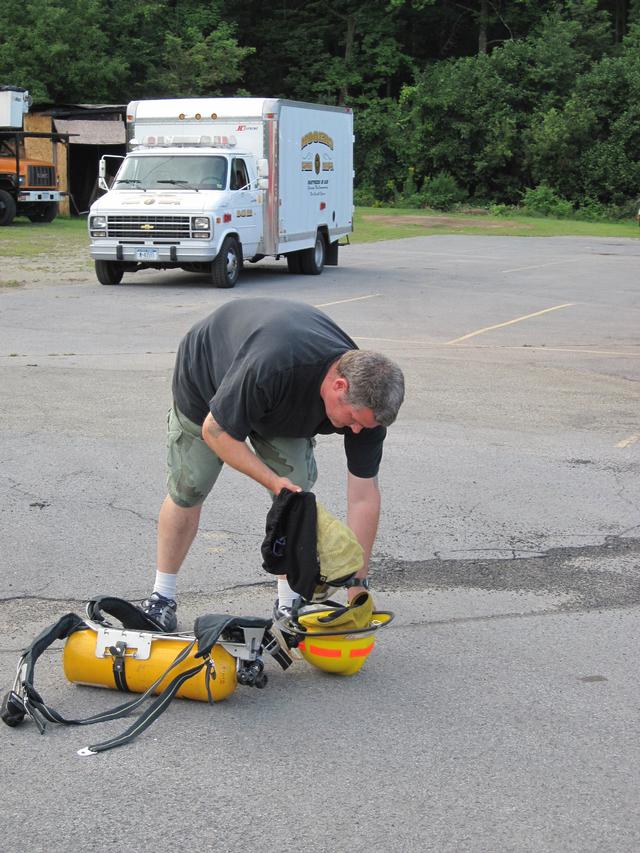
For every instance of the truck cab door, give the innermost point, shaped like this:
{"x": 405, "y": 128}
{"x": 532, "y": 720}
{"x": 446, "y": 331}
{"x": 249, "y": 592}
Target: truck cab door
{"x": 246, "y": 206}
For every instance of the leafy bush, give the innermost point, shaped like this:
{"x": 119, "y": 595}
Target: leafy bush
{"x": 441, "y": 192}
{"x": 364, "y": 196}
{"x": 591, "y": 210}
{"x": 544, "y": 201}
{"x": 502, "y": 210}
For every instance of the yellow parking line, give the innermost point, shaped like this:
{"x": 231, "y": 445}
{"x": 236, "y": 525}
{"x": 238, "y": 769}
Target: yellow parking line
{"x": 340, "y": 301}
{"x": 627, "y": 441}
{"x": 502, "y": 348}
{"x": 510, "y": 322}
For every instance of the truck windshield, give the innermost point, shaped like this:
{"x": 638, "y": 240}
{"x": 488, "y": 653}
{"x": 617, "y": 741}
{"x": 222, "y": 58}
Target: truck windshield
{"x": 198, "y": 172}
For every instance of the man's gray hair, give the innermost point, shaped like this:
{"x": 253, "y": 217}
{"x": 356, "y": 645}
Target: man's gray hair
{"x": 375, "y": 382}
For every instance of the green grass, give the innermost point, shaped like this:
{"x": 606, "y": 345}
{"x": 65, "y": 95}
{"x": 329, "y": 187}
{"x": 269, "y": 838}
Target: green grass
{"x": 377, "y": 223}
{"x": 24, "y": 239}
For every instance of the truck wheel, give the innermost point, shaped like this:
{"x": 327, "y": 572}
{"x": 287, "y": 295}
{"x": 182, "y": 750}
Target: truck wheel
{"x": 109, "y": 272}
{"x": 312, "y": 260}
{"x": 7, "y": 208}
{"x": 47, "y": 214}
{"x": 226, "y": 267}
{"x": 294, "y": 263}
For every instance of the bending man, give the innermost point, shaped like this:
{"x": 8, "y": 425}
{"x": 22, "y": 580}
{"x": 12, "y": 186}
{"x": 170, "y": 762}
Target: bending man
{"x": 276, "y": 373}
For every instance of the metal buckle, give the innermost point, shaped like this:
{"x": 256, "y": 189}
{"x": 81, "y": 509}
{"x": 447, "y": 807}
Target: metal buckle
{"x": 137, "y": 643}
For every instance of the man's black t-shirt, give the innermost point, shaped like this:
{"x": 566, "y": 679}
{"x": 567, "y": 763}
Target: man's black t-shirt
{"x": 257, "y": 366}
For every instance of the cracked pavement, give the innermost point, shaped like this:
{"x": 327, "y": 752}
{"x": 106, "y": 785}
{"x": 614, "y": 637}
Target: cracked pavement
{"x": 499, "y": 710}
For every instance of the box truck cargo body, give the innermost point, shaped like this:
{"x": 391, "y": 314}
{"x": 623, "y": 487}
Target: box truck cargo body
{"x": 211, "y": 182}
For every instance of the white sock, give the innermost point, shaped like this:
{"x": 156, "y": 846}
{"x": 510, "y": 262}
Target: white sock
{"x": 286, "y": 596}
{"x": 166, "y": 584}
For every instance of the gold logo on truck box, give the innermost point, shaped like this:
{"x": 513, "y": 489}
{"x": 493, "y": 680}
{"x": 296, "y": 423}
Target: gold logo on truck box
{"x": 316, "y": 136}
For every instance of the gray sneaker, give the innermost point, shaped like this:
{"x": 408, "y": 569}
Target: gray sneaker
{"x": 281, "y": 611}
{"x": 161, "y": 611}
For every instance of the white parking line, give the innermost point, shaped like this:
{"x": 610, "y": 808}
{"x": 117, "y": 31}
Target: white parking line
{"x": 510, "y": 322}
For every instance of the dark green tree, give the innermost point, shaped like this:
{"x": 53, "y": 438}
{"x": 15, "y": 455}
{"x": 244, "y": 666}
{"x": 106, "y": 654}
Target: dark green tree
{"x": 59, "y": 51}
{"x": 115, "y": 50}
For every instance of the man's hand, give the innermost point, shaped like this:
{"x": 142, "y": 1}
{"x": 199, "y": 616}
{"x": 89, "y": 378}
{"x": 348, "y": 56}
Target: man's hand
{"x": 282, "y": 483}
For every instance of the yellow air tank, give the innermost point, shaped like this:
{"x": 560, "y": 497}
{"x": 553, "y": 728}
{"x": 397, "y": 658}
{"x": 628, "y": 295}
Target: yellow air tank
{"x": 87, "y": 659}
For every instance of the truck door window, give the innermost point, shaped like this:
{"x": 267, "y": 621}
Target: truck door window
{"x": 239, "y": 177}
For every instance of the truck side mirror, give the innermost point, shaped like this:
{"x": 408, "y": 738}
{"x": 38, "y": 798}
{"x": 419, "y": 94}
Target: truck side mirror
{"x": 263, "y": 183}
{"x": 263, "y": 169}
{"x": 102, "y": 175}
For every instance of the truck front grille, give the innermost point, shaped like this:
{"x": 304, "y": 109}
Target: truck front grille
{"x": 149, "y": 227}
{"x": 41, "y": 176}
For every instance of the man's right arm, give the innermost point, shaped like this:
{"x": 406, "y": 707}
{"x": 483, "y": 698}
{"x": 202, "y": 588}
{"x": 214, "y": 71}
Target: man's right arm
{"x": 239, "y": 456}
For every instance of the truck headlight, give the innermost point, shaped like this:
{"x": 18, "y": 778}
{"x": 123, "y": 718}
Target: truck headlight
{"x": 98, "y": 226}
{"x": 200, "y": 223}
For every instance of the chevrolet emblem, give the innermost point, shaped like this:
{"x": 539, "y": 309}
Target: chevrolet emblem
{"x": 147, "y": 226}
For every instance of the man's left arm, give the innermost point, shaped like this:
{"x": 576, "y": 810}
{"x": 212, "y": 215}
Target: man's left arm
{"x": 363, "y": 513}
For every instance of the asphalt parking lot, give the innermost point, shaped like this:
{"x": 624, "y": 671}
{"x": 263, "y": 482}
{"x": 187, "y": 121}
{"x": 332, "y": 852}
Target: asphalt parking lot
{"x": 499, "y": 711}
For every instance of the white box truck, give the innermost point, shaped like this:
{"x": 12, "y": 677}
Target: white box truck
{"x": 211, "y": 182}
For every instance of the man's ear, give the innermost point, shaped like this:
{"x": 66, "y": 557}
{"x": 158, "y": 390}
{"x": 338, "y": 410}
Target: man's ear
{"x": 341, "y": 384}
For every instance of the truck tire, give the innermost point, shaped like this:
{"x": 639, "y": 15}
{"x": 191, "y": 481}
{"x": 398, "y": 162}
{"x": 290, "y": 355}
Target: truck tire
{"x": 312, "y": 260}
{"x": 7, "y": 208}
{"x": 109, "y": 272}
{"x": 47, "y": 214}
{"x": 294, "y": 263}
{"x": 225, "y": 269}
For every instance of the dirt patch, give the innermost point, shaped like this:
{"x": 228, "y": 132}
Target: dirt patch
{"x": 76, "y": 266}
{"x": 447, "y": 221}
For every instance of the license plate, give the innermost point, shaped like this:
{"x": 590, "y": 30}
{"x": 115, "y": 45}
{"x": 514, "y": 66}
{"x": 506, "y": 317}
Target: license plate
{"x": 147, "y": 254}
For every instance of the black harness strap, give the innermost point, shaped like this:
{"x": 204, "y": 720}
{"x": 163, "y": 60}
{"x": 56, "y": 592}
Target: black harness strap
{"x": 152, "y": 713}
{"x": 118, "y": 653}
{"x": 129, "y": 615}
{"x": 124, "y": 710}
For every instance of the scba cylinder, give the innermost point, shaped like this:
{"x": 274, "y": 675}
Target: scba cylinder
{"x": 85, "y": 663}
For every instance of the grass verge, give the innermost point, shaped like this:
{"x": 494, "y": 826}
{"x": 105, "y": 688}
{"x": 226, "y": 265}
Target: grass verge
{"x": 375, "y": 223}
{"x": 24, "y": 239}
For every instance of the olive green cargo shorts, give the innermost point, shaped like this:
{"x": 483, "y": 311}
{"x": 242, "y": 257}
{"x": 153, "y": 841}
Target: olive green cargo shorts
{"x": 193, "y": 468}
